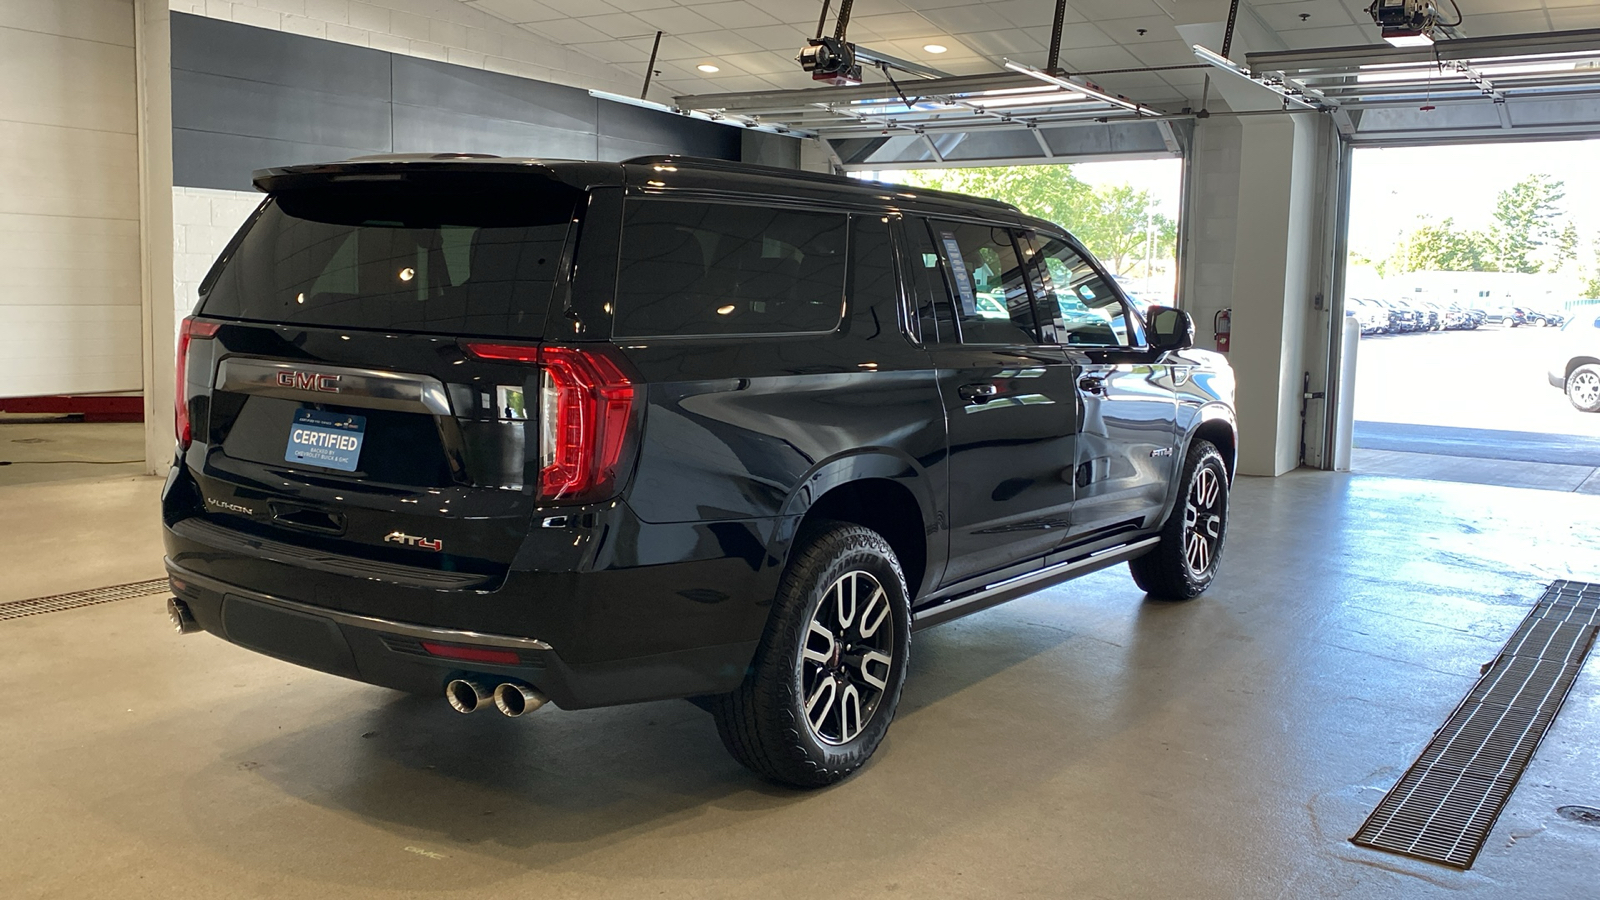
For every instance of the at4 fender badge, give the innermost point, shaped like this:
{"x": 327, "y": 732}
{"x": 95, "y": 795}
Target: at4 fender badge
{"x": 309, "y": 381}
{"x": 411, "y": 540}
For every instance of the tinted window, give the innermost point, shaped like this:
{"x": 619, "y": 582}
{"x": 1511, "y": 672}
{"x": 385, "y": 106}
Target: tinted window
{"x": 709, "y": 268}
{"x": 991, "y": 293}
{"x": 399, "y": 259}
{"x": 872, "y": 273}
{"x": 927, "y": 283}
{"x": 1086, "y": 310}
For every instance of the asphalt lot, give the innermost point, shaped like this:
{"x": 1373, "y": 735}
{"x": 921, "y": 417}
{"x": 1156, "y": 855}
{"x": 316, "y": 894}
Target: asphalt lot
{"x": 1493, "y": 379}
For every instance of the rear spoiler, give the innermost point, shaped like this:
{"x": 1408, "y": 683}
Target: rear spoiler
{"x": 453, "y": 167}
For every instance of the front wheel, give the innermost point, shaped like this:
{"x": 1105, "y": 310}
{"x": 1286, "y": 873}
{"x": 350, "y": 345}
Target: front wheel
{"x": 1583, "y": 388}
{"x": 1184, "y": 563}
{"x": 826, "y": 678}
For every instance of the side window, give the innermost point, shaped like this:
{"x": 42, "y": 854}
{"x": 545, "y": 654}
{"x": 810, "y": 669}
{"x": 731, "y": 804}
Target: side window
{"x": 691, "y": 268}
{"x": 927, "y": 283}
{"x": 1087, "y": 311}
{"x": 872, "y": 273}
{"x": 991, "y": 292}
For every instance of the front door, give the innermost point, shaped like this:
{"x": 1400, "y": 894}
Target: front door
{"x": 1127, "y": 446}
{"x": 1011, "y": 400}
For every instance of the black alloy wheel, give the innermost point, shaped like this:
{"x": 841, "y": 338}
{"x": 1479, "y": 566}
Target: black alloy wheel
{"x": 826, "y": 678}
{"x": 1184, "y": 563}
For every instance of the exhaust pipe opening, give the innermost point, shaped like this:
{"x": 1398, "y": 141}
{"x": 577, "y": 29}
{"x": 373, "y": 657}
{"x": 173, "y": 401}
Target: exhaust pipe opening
{"x": 466, "y": 694}
{"x": 515, "y": 699}
{"x": 182, "y": 619}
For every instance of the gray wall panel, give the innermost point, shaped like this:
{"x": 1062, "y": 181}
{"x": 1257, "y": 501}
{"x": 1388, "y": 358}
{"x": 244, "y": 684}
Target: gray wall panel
{"x": 217, "y": 47}
{"x": 430, "y": 130}
{"x": 210, "y": 159}
{"x": 690, "y": 137}
{"x": 247, "y": 98}
{"x": 492, "y": 95}
{"x": 299, "y": 115}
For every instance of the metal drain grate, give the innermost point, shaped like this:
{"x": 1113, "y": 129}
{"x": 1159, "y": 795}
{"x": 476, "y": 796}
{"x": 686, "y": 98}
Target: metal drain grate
{"x": 1444, "y": 806}
{"x": 59, "y": 602}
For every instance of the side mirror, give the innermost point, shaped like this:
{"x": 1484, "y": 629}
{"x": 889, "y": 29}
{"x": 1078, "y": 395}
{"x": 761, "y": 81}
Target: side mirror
{"x": 1170, "y": 329}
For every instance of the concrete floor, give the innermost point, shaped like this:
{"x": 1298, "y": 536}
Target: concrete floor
{"x": 1080, "y": 742}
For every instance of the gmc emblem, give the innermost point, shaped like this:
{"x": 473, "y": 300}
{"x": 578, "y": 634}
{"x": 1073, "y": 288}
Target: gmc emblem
{"x": 309, "y": 381}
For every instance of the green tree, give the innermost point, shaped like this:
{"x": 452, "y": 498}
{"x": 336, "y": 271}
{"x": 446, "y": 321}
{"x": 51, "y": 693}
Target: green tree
{"x": 1442, "y": 248}
{"x": 1527, "y": 217}
{"x": 1119, "y": 224}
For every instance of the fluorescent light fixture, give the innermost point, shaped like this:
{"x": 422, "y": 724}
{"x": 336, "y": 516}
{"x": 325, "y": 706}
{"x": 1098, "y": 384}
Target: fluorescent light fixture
{"x": 1408, "y": 38}
{"x": 708, "y": 68}
{"x": 935, "y": 48}
{"x": 1083, "y": 89}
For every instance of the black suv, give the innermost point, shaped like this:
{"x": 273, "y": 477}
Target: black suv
{"x": 598, "y": 433}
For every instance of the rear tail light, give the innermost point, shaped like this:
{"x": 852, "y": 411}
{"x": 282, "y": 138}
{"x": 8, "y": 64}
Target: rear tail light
{"x": 586, "y": 409}
{"x": 192, "y": 328}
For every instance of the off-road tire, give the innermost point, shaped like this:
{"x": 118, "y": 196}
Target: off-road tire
{"x": 1170, "y": 571}
{"x": 764, "y": 722}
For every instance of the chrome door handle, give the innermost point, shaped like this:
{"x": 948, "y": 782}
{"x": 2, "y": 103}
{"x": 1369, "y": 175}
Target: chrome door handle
{"x": 977, "y": 393}
{"x": 1092, "y": 384}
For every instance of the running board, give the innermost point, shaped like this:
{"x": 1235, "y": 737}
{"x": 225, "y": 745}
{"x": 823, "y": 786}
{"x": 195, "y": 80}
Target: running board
{"x": 1011, "y": 588}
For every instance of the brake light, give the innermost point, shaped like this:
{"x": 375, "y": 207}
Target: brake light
{"x": 191, "y": 329}
{"x": 586, "y": 408}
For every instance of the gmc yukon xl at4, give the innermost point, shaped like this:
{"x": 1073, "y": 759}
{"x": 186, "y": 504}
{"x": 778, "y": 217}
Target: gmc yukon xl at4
{"x": 515, "y": 430}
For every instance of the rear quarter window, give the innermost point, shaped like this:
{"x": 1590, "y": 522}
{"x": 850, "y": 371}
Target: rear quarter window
{"x": 692, "y": 268}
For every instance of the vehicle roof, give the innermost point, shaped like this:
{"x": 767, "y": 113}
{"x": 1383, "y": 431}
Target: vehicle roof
{"x": 663, "y": 172}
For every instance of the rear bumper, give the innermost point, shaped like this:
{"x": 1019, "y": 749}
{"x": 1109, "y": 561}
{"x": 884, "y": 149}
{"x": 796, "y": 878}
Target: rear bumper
{"x": 391, "y": 654}
{"x": 1557, "y": 381}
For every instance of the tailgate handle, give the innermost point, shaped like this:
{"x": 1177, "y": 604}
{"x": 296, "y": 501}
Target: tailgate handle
{"x": 307, "y": 519}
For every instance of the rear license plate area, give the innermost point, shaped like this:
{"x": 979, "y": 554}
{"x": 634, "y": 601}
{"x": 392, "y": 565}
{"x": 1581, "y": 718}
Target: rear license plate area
{"x": 329, "y": 440}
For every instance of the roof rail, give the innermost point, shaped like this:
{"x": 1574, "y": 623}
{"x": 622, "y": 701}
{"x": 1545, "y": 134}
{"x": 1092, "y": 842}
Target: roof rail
{"x": 726, "y": 165}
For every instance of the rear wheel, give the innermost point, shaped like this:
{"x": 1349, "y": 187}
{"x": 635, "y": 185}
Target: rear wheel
{"x": 1583, "y": 388}
{"x": 1184, "y": 563}
{"x": 826, "y": 677}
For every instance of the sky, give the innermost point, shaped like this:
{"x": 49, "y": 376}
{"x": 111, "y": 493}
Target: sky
{"x": 1391, "y": 187}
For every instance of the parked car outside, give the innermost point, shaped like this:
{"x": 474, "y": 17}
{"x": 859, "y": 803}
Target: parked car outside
{"x": 1575, "y": 366}
{"x": 514, "y": 430}
{"x": 1546, "y": 319}
{"x": 1374, "y": 319}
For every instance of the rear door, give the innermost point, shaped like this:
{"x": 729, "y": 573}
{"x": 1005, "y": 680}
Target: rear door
{"x": 1011, "y": 404}
{"x": 336, "y": 409}
{"x": 1127, "y": 446}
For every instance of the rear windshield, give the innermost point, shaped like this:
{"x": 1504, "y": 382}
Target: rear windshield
{"x": 399, "y": 259}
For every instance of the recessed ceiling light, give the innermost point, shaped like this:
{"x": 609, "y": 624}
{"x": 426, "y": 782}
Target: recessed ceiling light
{"x": 935, "y": 48}
{"x": 707, "y": 68}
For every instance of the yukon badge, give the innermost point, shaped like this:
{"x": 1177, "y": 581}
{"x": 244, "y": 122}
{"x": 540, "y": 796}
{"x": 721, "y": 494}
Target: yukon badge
{"x": 309, "y": 381}
{"x": 411, "y": 540}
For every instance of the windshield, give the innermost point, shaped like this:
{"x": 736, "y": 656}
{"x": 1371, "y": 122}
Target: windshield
{"x": 396, "y": 258}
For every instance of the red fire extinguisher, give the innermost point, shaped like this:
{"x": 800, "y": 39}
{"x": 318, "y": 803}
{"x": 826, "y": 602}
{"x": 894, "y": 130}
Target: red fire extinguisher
{"x": 1222, "y": 324}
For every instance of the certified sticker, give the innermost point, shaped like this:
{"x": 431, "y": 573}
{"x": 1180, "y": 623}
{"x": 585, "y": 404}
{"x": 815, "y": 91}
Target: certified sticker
{"x": 332, "y": 440}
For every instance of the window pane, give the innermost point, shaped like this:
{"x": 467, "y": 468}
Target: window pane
{"x": 399, "y": 259}
{"x": 873, "y": 282}
{"x": 706, "y": 268}
{"x": 991, "y": 292}
{"x": 927, "y": 280}
{"x": 1087, "y": 311}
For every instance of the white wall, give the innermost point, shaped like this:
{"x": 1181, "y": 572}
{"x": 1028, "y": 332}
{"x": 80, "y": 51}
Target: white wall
{"x": 444, "y": 30}
{"x": 1212, "y": 225}
{"x": 69, "y": 205}
{"x": 203, "y": 221}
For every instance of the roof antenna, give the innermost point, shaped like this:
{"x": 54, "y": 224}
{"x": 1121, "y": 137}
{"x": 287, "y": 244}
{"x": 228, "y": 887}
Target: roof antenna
{"x": 650, "y": 69}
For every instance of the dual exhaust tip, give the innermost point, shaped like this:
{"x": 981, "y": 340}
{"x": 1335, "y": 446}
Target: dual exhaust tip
{"x": 511, "y": 698}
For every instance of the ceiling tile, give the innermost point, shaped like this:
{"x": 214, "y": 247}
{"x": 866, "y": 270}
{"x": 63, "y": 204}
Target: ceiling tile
{"x": 736, "y": 15}
{"x": 618, "y": 25}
